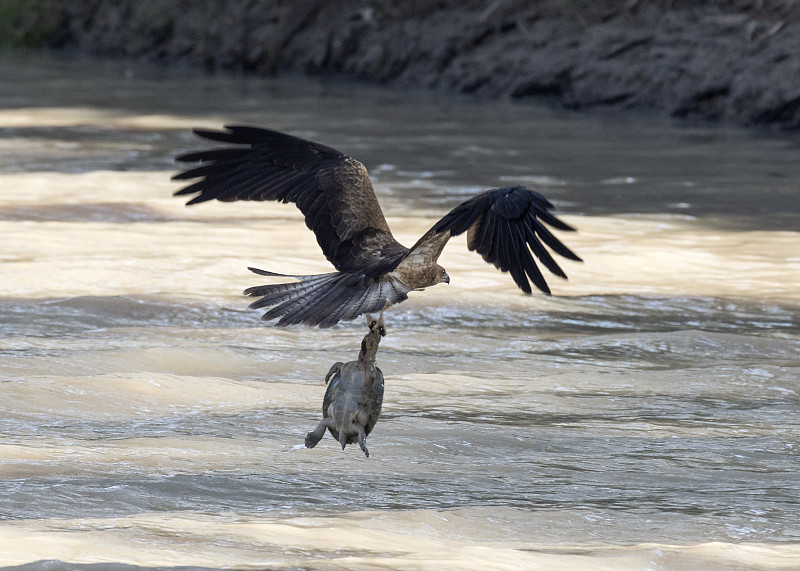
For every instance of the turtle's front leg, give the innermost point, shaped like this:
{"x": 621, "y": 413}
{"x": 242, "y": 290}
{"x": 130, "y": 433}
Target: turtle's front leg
{"x": 335, "y": 369}
{"x": 313, "y": 438}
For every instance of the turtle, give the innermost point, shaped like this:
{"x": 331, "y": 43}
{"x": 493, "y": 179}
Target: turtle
{"x": 354, "y": 397}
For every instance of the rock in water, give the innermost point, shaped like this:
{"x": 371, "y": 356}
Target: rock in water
{"x": 354, "y": 397}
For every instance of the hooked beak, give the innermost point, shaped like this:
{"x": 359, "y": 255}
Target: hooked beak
{"x": 446, "y": 278}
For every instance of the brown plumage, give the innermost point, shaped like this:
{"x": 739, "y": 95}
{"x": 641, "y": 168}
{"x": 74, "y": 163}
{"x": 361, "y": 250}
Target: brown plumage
{"x": 334, "y": 193}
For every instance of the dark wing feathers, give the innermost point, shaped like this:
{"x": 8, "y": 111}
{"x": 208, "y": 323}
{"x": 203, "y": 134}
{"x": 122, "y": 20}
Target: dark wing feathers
{"x": 553, "y": 242}
{"x": 548, "y": 218}
{"x": 531, "y": 269}
{"x": 205, "y": 169}
{"x": 283, "y": 148}
{"x": 516, "y": 247}
{"x": 505, "y": 227}
{"x": 332, "y": 190}
{"x": 543, "y": 256}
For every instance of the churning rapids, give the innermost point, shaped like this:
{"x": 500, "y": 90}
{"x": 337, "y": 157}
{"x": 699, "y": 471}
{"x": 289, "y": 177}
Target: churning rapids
{"x": 646, "y": 416}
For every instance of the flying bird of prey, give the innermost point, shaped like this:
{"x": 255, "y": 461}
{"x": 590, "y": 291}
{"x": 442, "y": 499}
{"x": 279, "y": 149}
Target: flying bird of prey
{"x": 334, "y": 193}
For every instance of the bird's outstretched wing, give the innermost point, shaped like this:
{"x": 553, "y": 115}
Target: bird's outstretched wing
{"x": 506, "y": 227}
{"x": 332, "y": 190}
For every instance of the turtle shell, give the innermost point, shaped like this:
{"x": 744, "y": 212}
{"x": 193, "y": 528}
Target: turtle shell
{"x": 370, "y": 398}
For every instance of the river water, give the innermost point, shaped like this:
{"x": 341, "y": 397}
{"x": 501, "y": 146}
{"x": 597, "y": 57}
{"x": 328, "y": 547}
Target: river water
{"x": 646, "y": 416}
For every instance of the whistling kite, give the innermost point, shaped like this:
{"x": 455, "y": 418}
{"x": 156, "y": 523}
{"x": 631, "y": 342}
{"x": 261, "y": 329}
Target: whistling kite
{"x": 334, "y": 193}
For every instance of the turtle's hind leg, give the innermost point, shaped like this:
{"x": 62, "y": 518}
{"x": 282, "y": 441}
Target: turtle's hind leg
{"x": 313, "y": 438}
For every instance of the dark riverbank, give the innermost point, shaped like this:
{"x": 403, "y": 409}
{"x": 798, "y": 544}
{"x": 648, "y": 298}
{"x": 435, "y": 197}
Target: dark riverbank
{"x": 731, "y": 61}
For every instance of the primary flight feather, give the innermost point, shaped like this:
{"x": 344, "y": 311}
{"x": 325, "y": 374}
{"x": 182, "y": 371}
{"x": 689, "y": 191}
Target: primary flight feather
{"x": 506, "y": 226}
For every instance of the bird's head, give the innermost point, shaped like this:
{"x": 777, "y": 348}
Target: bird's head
{"x": 443, "y": 277}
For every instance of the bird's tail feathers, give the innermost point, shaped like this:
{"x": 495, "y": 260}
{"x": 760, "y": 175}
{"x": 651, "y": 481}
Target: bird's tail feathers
{"x": 277, "y": 275}
{"x": 325, "y": 299}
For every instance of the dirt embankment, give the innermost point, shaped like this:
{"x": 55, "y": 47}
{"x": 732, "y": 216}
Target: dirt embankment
{"x": 734, "y": 60}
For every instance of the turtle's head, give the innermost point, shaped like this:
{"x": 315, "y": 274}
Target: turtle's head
{"x": 370, "y": 342}
{"x": 376, "y": 324}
